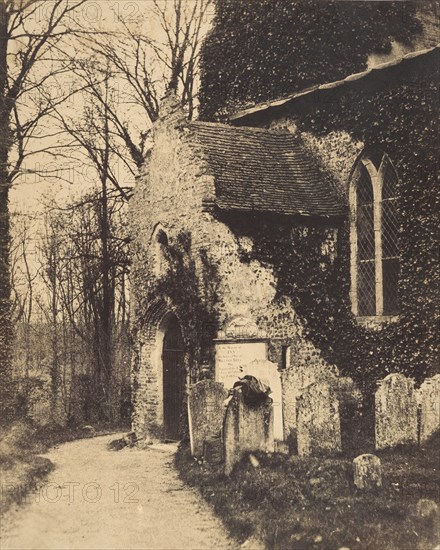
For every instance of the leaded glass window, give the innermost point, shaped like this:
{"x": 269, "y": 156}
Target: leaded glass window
{"x": 390, "y": 242}
{"x": 375, "y": 239}
{"x": 366, "y": 276}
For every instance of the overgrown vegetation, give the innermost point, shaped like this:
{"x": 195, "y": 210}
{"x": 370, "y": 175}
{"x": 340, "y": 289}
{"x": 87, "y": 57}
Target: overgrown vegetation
{"x": 188, "y": 287}
{"x": 189, "y": 284}
{"x": 305, "y": 503}
{"x": 401, "y": 121}
{"x": 263, "y": 50}
{"x": 71, "y": 313}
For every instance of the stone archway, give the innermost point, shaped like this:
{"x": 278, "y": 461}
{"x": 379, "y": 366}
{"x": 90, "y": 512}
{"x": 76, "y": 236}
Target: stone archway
{"x": 160, "y": 375}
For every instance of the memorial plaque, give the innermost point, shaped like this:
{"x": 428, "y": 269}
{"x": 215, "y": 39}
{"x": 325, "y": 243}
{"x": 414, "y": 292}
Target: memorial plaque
{"x": 232, "y": 356}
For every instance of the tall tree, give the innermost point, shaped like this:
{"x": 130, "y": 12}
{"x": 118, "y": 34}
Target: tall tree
{"x": 141, "y": 66}
{"x": 32, "y": 34}
{"x": 257, "y": 51}
{"x": 84, "y": 267}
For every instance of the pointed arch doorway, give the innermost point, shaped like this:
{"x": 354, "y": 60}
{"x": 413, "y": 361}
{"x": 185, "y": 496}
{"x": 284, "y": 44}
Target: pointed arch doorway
{"x": 173, "y": 378}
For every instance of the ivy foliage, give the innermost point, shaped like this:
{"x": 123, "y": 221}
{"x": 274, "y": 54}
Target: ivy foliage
{"x": 190, "y": 287}
{"x": 260, "y": 50}
{"x": 402, "y": 122}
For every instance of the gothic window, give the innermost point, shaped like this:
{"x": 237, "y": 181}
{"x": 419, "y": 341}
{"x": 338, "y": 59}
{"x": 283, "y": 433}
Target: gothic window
{"x": 366, "y": 263}
{"x": 374, "y": 239}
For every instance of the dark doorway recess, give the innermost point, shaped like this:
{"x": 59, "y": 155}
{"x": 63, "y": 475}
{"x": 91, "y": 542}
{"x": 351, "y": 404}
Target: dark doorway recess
{"x": 173, "y": 380}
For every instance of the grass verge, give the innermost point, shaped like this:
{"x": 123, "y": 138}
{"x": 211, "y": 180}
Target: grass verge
{"x": 307, "y": 503}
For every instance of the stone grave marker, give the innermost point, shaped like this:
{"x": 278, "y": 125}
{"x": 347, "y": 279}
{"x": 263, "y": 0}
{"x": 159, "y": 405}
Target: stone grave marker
{"x": 367, "y": 472}
{"x": 318, "y": 423}
{"x": 395, "y": 412}
{"x": 428, "y": 397}
{"x": 294, "y": 381}
{"x": 205, "y": 413}
{"x": 269, "y": 374}
{"x": 246, "y": 428}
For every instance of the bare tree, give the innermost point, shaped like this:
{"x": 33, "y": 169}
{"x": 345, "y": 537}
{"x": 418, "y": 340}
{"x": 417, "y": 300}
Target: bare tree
{"x": 23, "y": 276}
{"x": 32, "y": 36}
{"x": 141, "y": 68}
{"x": 85, "y": 274}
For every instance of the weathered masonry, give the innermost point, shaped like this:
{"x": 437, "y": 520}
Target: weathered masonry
{"x": 206, "y": 192}
{"x": 293, "y": 236}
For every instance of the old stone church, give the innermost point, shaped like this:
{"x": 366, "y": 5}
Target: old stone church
{"x": 301, "y": 232}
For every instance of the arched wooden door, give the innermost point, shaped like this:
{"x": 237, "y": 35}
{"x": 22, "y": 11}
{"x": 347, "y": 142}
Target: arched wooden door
{"x": 173, "y": 379}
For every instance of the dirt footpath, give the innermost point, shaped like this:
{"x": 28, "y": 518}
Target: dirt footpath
{"x": 98, "y": 499}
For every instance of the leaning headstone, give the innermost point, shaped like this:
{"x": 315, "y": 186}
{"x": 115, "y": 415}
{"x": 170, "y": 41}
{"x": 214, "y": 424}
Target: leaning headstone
{"x": 246, "y": 428}
{"x": 318, "y": 423}
{"x": 367, "y": 472}
{"x": 428, "y": 396}
{"x": 395, "y": 412}
{"x": 205, "y": 413}
{"x": 269, "y": 374}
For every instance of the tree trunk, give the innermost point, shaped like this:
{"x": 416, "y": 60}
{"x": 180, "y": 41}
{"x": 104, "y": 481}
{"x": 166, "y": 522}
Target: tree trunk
{"x": 5, "y": 282}
{"x": 107, "y": 290}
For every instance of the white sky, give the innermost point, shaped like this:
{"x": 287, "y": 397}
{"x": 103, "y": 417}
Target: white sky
{"x": 30, "y": 192}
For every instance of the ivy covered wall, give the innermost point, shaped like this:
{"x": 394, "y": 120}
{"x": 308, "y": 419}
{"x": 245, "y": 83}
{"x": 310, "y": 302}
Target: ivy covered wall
{"x": 266, "y": 49}
{"x": 397, "y": 116}
{"x": 188, "y": 261}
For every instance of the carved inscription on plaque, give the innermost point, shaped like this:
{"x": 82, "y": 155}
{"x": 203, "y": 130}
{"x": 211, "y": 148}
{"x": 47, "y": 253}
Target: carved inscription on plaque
{"x": 231, "y": 357}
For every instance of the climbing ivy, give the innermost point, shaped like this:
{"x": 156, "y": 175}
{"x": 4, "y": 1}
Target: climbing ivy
{"x": 401, "y": 121}
{"x": 189, "y": 286}
{"x": 264, "y": 49}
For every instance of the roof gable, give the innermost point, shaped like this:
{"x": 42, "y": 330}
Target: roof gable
{"x": 381, "y": 75}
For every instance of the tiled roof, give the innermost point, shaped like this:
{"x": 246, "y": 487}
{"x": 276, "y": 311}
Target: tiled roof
{"x": 247, "y": 116}
{"x": 266, "y": 171}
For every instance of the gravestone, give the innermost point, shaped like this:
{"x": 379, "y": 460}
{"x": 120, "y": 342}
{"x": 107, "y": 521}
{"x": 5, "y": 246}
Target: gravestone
{"x": 395, "y": 412}
{"x": 246, "y": 428}
{"x": 367, "y": 472}
{"x": 205, "y": 413}
{"x": 318, "y": 423}
{"x": 294, "y": 381}
{"x": 428, "y": 397}
{"x": 269, "y": 374}
{"x": 213, "y": 449}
